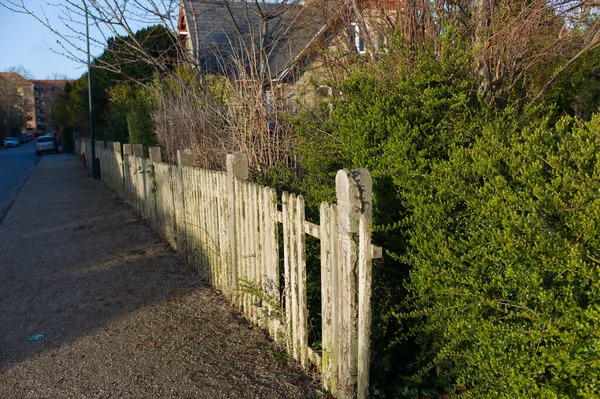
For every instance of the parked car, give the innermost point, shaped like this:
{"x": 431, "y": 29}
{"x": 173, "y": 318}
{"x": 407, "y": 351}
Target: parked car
{"x": 22, "y": 139}
{"x": 11, "y": 142}
{"x": 45, "y": 144}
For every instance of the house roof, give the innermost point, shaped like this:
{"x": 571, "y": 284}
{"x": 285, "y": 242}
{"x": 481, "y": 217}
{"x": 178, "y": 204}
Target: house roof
{"x": 226, "y": 35}
{"x": 51, "y": 84}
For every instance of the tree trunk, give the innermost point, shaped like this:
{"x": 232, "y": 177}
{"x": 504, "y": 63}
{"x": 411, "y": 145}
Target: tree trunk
{"x": 480, "y": 40}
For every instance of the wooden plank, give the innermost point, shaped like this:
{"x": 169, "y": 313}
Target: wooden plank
{"x": 143, "y": 182}
{"x": 247, "y": 245}
{"x": 312, "y": 229}
{"x": 239, "y": 241}
{"x": 177, "y": 201}
{"x": 201, "y": 225}
{"x": 259, "y": 258}
{"x": 262, "y": 273}
{"x": 190, "y": 210}
{"x": 314, "y": 358}
{"x": 336, "y": 357}
{"x": 216, "y": 266}
{"x": 275, "y": 273}
{"x": 196, "y": 244}
{"x": 364, "y": 307}
{"x": 262, "y": 258}
{"x": 119, "y": 157}
{"x": 126, "y": 177}
{"x": 287, "y": 291}
{"x": 209, "y": 248}
{"x": 302, "y": 317}
{"x": 174, "y": 203}
{"x": 190, "y": 214}
{"x": 326, "y": 299}
{"x": 170, "y": 205}
{"x": 273, "y": 266}
{"x": 211, "y": 214}
{"x": 138, "y": 183}
{"x": 267, "y": 244}
{"x": 294, "y": 276}
{"x": 183, "y": 216}
{"x": 349, "y": 205}
{"x": 223, "y": 245}
{"x": 164, "y": 188}
{"x": 253, "y": 251}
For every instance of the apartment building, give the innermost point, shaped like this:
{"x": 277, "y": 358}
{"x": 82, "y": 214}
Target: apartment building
{"x": 37, "y": 96}
{"x": 44, "y": 93}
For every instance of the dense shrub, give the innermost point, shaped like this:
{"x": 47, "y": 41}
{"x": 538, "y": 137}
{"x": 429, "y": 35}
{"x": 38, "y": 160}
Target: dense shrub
{"x": 490, "y": 219}
{"x": 504, "y": 249}
{"x": 130, "y": 118}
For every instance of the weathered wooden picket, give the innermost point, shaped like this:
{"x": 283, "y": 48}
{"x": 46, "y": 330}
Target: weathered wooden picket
{"x": 228, "y": 228}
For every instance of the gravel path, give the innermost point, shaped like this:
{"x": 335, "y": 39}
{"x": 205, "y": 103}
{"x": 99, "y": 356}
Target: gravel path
{"x": 123, "y": 316}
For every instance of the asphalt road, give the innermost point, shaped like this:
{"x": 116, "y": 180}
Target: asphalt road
{"x": 15, "y": 166}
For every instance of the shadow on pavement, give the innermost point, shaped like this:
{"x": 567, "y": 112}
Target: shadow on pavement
{"x": 119, "y": 309}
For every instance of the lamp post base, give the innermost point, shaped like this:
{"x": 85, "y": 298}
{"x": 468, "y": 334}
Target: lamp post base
{"x": 96, "y": 168}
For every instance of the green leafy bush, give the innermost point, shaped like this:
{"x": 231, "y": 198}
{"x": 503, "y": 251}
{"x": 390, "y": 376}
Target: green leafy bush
{"x": 132, "y": 107}
{"x": 490, "y": 221}
{"x": 504, "y": 248}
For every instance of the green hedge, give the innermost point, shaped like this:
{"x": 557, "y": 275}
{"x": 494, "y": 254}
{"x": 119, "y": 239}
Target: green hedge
{"x": 490, "y": 218}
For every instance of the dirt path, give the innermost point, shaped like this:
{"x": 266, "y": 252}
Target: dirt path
{"x": 122, "y": 315}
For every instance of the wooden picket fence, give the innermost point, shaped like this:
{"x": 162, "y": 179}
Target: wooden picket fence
{"x": 228, "y": 228}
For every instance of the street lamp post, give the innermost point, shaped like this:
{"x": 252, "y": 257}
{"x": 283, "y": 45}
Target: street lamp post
{"x": 95, "y": 161}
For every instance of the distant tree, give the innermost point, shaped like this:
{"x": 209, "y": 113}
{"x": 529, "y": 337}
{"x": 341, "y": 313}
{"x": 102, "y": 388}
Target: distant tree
{"x": 13, "y": 109}
{"x": 57, "y": 76}
{"x": 113, "y": 73}
{"x": 21, "y": 70}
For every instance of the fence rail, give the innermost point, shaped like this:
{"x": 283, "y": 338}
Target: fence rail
{"x": 229, "y": 229}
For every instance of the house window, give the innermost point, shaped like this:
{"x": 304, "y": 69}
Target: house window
{"x": 357, "y": 38}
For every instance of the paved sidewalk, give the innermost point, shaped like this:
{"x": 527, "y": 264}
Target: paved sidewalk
{"x": 123, "y": 316}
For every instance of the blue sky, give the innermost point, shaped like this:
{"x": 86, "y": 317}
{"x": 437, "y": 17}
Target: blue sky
{"x": 26, "y": 42}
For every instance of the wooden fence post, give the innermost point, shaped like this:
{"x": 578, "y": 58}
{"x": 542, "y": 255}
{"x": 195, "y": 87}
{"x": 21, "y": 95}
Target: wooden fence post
{"x": 364, "y": 273}
{"x": 354, "y": 198}
{"x": 138, "y": 150}
{"x": 237, "y": 168}
{"x": 155, "y": 154}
